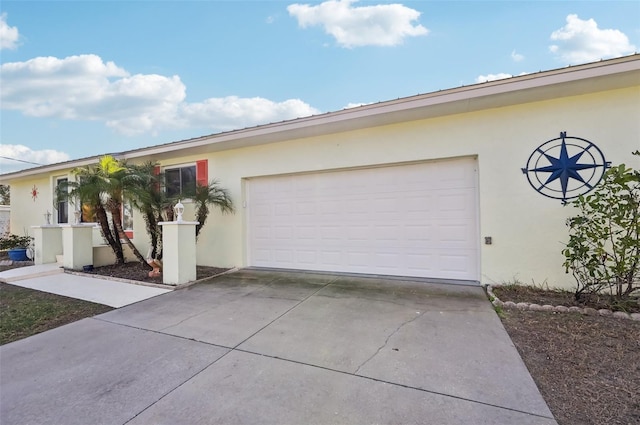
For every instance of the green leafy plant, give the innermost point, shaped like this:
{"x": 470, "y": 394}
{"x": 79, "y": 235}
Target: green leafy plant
{"x": 207, "y": 196}
{"x": 155, "y": 205}
{"x": 102, "y": 187}
{"x": 11, "y": 241}
{"x": 603, "y": 252}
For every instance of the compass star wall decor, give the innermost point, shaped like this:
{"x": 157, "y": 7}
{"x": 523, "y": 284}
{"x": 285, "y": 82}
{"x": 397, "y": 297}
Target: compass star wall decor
{"x": 34, "y": 192}
{"x": 566, "y": 167}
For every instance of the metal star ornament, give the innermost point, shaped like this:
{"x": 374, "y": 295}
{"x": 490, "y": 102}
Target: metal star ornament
{"x": 566, "y": 167}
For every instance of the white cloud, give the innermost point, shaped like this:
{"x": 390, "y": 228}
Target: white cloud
{"x": 86, "y": 88}
{"x": 492, "y": 77}
{"x": 8, "y": 35}
{"x": 27, "y": 157}
{"x": 517, "y": 57}
{"x": 379, "y": 25}
{"x": 355, "y": 105}
{"x": 232, "y": 112}
{"x": 582, "y": 41}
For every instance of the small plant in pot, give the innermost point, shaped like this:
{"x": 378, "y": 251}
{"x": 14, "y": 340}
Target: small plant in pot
{"x": 16, "y": 246}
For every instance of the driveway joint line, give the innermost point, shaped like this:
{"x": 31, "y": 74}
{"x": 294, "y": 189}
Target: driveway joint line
{"x": 287, "y": 311}
{"x": 194, "y": 340}
{"x": 354, "y": 374}
{"x": 175, "y": 388}
{"x": 424, "y": 390}
{"x": 160, "y": 332}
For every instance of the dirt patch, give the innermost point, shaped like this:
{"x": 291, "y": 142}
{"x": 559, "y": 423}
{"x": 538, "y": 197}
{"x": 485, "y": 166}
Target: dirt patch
{"x": 586, "y": 367}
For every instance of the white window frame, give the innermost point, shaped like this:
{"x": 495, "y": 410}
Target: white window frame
{"x": 180, "y": 167}
{"x": 55, "y": 182}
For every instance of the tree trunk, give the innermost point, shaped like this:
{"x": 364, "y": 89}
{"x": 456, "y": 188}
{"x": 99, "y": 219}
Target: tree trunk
{"x": 117, "y": 222}
{"x": 118, "y": 245}
{"x": 152, "y": 230}
{"x": 101, "y": 216}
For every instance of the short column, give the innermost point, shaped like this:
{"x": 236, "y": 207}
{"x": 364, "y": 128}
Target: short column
{"x": 77, "y": 245}
{"x": 178, "y": 252}
{"x": 47, "y": 243}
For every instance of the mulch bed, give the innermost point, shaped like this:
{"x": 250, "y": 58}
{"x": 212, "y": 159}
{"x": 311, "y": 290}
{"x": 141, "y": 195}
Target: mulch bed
{"x": 586, "y": 367}
{"x": 139, "y": 272}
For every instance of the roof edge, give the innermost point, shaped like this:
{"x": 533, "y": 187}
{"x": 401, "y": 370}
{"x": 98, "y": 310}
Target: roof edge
{"x": 540, "y": 79}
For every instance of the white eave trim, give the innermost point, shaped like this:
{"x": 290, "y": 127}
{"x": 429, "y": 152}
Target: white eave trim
{"x": 339, "y": 121}
{"x": 529, "y": 87}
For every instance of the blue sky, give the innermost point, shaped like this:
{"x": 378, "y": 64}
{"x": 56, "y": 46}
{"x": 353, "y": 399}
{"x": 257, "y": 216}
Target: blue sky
{"x": 84, "y": 78}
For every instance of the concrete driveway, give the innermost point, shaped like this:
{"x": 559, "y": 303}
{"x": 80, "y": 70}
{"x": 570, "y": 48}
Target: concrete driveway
{"x": 267, "y": 347}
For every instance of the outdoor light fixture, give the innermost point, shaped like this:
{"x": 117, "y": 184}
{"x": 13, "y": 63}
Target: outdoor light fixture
{"x": 178, "y": 209}
{"x": 77, "y": 216}
{"x": 47, "y": 217}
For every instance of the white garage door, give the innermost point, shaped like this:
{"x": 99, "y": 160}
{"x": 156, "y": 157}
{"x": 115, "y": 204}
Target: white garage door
{"x": 404, "y": 220}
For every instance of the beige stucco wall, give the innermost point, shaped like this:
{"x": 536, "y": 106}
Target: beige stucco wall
{"x": 27, "y": 211}
{"x": 528, "y": 229}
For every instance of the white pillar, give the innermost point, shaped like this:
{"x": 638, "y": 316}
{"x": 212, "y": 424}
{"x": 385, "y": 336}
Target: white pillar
{"x": 77, "y": 245}
{"x": 47, "y": 243}
{"x": 178, "y": 251}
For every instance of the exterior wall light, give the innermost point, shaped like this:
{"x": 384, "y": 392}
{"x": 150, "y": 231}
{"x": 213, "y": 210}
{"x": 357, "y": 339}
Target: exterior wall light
{"x": 178, "y": 209}
{"x": 47, "y": 217}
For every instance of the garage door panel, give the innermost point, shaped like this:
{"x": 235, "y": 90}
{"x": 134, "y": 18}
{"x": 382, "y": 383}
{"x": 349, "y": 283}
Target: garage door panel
{"x": 414, "y": 220}
{"x": 306, "y": 257}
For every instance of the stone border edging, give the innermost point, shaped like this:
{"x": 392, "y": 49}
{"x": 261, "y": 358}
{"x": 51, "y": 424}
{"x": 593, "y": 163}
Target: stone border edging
{"x": 141, "y": 283}
{"x": 510, "y": 305}
{"x": 119, "y": 279}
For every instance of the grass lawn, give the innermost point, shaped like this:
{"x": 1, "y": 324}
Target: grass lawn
{"x": 25, "y": 312}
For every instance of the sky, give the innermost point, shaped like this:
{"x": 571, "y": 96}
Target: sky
{"x": 84, "y": 78}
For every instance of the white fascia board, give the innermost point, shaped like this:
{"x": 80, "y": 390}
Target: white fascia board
{"x": 580, "y": 79}
{"x": 516, "y": 90}
{"x": 5, "y": 178}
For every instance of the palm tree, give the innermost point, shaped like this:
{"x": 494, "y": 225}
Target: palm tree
{"x": 102, "y": 187}
{"x": 149, "y": 198}
{"x": 210, "y": 195}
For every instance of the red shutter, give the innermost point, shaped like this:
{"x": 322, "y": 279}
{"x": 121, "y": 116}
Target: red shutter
{"x": 156, "y": 172}
{"x": 202, "y": 172}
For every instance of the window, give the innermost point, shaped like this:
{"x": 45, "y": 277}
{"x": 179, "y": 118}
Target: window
{"x": 127, "y": 218}
{"x": 182, "y": 180}
{"x": 63, "y": 205}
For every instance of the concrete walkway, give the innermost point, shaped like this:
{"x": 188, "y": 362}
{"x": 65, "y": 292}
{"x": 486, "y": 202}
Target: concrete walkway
{"x": 264, "y": 347}
{"x": 51, "y": 278}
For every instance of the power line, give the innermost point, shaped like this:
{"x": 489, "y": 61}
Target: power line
{"x": 19, "y": 160}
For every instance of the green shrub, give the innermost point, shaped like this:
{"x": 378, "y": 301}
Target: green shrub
{"x": 10, "y": 241}
{"x": 603, "y": 252}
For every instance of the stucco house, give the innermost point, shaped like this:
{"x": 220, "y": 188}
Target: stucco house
{"x": 449, "y": 185}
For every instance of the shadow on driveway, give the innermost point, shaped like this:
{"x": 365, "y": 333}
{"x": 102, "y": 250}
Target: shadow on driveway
{"x": 275, "y": 347}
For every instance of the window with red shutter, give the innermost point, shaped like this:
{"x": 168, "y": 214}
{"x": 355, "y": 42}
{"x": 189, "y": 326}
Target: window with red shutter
{"x": 182, "y": 180}
{"x": 202, "y": 172}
